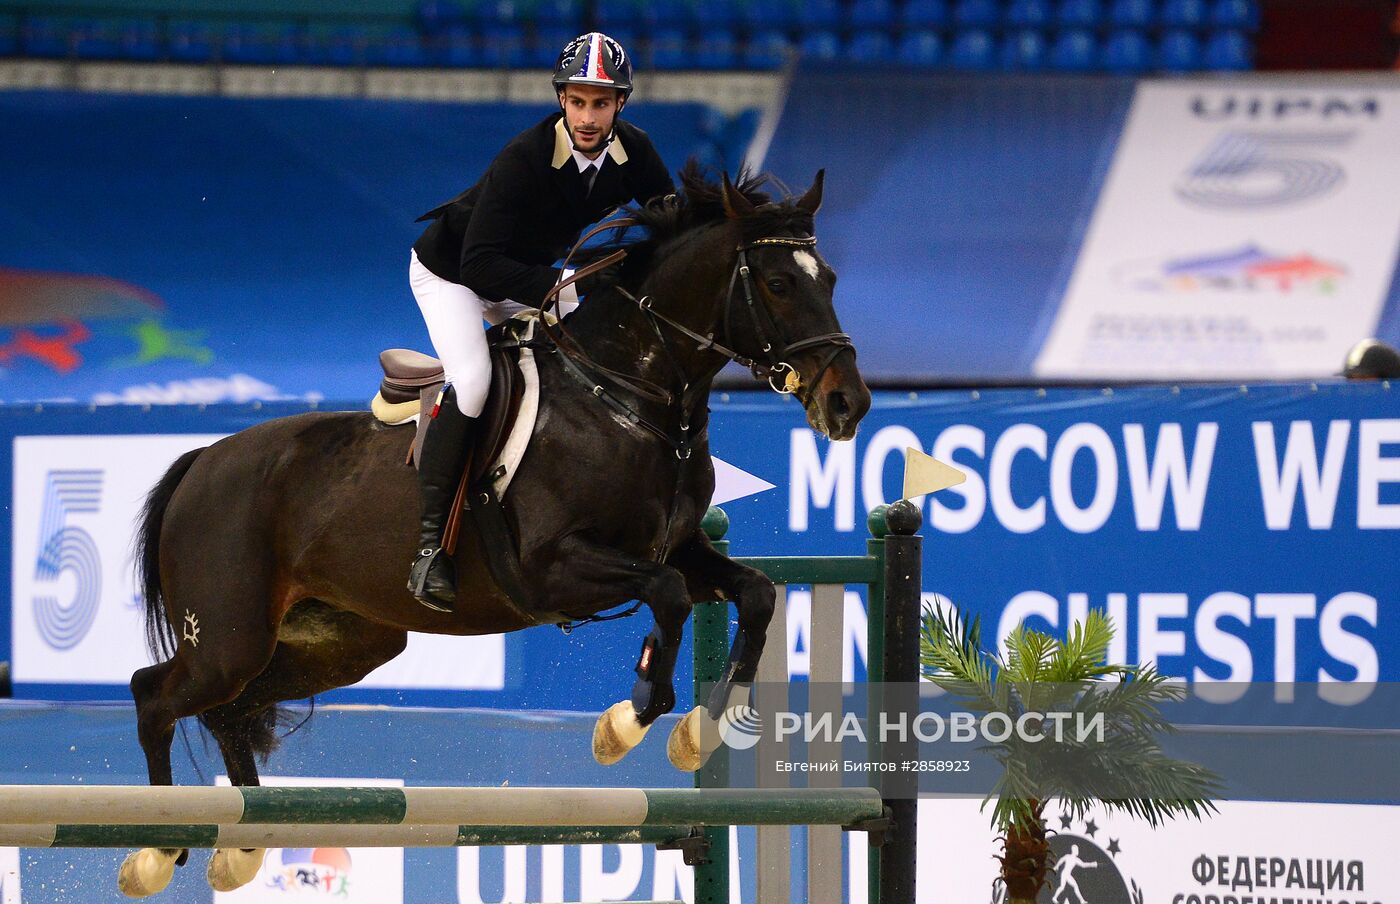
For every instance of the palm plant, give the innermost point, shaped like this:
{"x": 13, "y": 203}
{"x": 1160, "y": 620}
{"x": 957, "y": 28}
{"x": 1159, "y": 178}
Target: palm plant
{"x": 1123, "y": 769}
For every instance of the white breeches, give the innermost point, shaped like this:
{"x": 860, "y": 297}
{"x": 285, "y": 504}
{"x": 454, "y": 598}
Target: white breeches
{"x": 454, "y": 314}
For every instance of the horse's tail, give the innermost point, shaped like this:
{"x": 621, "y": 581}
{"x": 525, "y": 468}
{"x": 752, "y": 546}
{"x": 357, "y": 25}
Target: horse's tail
{"x": 160, "y": 636}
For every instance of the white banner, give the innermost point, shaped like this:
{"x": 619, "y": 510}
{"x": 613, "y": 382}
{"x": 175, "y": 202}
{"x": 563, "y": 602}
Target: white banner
{"x": 1247, "y": 229}
{"x": 77, "y": 615}
{"x": 1247, "y": 852}
{"x": 342, "y": 875}
{"x": 9, "y": 876}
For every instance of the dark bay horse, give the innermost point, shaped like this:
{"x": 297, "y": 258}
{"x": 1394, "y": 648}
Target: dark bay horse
{"x": 288, "y": 543}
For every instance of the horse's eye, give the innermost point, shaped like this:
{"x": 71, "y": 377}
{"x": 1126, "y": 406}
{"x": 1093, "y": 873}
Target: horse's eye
{"x": 777, "y": 286}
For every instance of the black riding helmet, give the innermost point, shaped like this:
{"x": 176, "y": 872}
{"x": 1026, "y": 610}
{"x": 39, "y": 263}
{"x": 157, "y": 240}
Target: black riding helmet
{"x": 594, "y": 59}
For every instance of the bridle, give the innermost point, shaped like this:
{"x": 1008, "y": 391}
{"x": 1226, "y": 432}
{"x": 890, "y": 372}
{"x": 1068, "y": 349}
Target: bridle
{"x": 773, "y": 344}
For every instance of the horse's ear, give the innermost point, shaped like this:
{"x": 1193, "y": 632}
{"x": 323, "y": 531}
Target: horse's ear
{"x": 736, "y": 205}
{"x": 811, "y": 202}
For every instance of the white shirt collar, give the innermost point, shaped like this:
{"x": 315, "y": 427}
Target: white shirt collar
{"x": 583, "y": 162}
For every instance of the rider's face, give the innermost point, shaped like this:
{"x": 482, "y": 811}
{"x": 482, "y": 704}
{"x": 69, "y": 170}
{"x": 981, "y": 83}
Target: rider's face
{"x": 589, "y": 112}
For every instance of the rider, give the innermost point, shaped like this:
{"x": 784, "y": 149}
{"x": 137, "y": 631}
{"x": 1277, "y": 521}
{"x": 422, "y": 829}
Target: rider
{"x": 488, "y": 253}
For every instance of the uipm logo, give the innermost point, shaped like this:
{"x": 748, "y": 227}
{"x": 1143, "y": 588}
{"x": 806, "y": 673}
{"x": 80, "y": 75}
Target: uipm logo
{"x": 67, "y": 548}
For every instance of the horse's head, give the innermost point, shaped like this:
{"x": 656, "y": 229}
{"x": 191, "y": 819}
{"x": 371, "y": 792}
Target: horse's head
{"x": 781, "y": 311}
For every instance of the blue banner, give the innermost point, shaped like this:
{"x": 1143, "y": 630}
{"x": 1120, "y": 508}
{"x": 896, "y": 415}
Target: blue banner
{"x": 1235, "y": 534}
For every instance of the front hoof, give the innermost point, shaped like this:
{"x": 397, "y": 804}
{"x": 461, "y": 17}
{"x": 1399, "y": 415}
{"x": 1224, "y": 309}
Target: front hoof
{"x": 618, "y": 730}
{"x": 146, "y": 872}
{"x": 232, "y": 868}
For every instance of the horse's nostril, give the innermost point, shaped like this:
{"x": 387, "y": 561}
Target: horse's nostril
{"x": 839, "y": 405}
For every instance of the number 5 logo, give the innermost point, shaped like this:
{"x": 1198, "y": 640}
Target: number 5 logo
{"x": 64, "y": 547}
{"x": 1249, "y": 170}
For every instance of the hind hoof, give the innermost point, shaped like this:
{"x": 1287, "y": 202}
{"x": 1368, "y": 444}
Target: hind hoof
{"x": 616, "y": 733}
{"x": 232, "y": 868}
{"x": 146, "y": 872}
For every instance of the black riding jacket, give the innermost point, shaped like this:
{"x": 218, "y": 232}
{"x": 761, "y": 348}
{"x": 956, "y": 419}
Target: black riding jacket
{"x": 499, "y": 237}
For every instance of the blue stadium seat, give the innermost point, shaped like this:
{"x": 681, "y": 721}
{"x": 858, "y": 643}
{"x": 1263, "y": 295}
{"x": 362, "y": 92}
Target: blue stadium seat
{"x": 96, "y": 39}
{"x": 1126, "y": 51}
{"x": 721, "y": 14}
{"x": 1242, "y": 14}
{"x": 500, "y": 12}
{"x": 1075, "y": 50}
{"x": 401, "y": 46}
{"x": 542, "y": 50}
{"x": 626, "y": 35}
{"x": 191, "y": 42}
{"x": 565, "y": 15}
{"x": 1179, "y": 51}
{"x": 820, "y": 46}
{"x": 616, "y": 13}
{"x": 767, "y": 50}
{"x": 925, "y": 14}
{"x": 922, "y": 48}
{"x": 976, "y": 13}
{"x": 436, "y": 17}
{"x": 821, "y": 14}
{"x": 717, "y": 49}
{"x": 1229, "y": 51}
{"x": 870, "y": 48}
{"x": 44, "y": 36}
{"x": 456, "y": 47}
{"x": 974, "y": 50}
{"x": 671, "y": 50}
{"x": 267, "y": 45}
{"x": 1182, "y": 13}
{"x": 503, "y": 45}
{"x": 766, "y": 14}
{"x": 1023, "y": 50}
{"x": 871, "y": 14}
{"x": 1029, "y": 13}
{"x": 9, "y": 36}
{"x": 139, "y": 40}
{"x": 1079, "y": 14}
{"x": 662, "y": 14}
{"x": 1131, "y": 13}
{"x": 342, "y": 45}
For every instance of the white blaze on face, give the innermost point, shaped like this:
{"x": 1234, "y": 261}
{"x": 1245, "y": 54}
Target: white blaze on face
{"x": 807, "y": 261}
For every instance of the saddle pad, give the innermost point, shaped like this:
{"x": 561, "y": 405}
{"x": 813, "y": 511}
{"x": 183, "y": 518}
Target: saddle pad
{"x": 524, "y": 428}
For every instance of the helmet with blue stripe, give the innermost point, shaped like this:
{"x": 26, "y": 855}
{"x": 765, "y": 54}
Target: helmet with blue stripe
{"x": 594, "y": 59}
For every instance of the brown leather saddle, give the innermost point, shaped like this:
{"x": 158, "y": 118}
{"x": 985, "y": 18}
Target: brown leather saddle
{"x": 411, "y": 377}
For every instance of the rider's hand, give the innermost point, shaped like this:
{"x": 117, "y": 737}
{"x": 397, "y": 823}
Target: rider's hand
{"x": 608, "y": 276}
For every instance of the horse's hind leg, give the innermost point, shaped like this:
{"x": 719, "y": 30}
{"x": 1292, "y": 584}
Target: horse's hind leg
{"x": 240, "y": 734}
{"x": 326, "y": 648}
{"x": 197, "y": 678}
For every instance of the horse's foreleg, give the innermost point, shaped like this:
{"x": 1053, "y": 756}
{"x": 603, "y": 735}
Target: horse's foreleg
{"x": 711, "y": 575}
{"x": 596, "y": 570}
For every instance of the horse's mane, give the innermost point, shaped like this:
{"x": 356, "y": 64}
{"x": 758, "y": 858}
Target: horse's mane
{"x": 698, "y": 205}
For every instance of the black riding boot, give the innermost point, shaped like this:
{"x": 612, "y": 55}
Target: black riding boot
{"x": 432, "y": 579}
